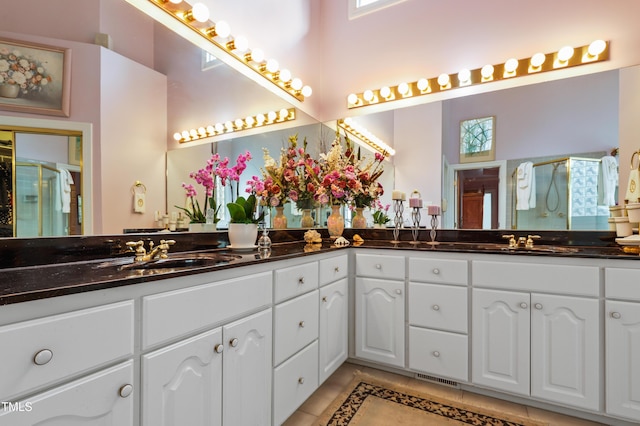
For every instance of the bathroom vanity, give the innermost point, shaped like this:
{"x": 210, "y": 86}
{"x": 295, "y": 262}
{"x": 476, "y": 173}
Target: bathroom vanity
{"x": 249, "y": 340}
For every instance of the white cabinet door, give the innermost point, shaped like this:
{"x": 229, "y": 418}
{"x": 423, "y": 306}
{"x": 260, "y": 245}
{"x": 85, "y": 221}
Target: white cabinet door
{"x": 565, "y": 354}
{"x": 623, "y": 359}
{"x": 380, "y": 320}
{"x": 246, "y": 370}
{"x": 334, "y": 340}
{"x": 182, "y": 383}
{"x": 105, "y": 399}
{"x": 500, "y": 340}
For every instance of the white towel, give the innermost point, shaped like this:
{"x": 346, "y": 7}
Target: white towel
{"x": 525, "y": 186}
{"x": 608, "y": 181}
{"x": 65, "y": 181}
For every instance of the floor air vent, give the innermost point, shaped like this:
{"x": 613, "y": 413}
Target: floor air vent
{"x": 438, "y": 380}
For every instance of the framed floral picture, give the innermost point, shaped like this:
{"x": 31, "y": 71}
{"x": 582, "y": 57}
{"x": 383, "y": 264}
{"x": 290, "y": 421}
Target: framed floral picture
{"x": 477, "y": 140}
{"x": 34, "y": 78}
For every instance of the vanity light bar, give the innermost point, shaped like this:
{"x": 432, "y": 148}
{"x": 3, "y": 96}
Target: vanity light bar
{"x": 350, "y": 126}
{"x": 236, "y": 125}
{"x": 566, "y": 57}
{"x": 189, "y": 20}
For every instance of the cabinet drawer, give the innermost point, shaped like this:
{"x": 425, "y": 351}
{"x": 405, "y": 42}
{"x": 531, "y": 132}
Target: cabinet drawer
{"x": 295, "y": 280}
{"x": 380, "y": 266}
{"x": 439, "y": 353}
{"x": 296, "y": 325}
{"x": 622, "y": 283}
{"x": 438, "y": 306}
{"x": 293, "y": 382}
{"x": 575, "y": 280}
{"x": 43, "y": 351}
{"x": 175, "y": 313}
{"x": 333, "y": 269}
{"x": 439, "y": 271}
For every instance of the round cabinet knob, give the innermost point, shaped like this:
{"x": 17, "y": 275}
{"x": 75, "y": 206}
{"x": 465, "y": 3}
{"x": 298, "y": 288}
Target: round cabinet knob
{"x": 125, "y": 390}
{"x": 233, "y": 342}
{"x": 301, "y": 324}
{"x": 336, "y": 269}
{"x": 436, "y": 354}
{"x": 301, "y": 280}
{"x": 398, "y": 291}
{"x": 436, "y": 271}
{"x": 436, "y": 307}
{"x": 301, "y": 380}
{"x": 538, "y": 306}
{"x": 324, "y": 299}
{"x": 378, "y": 266}
{"x": 523, "y": 305}
{"x": 616, "y": 315}
{"x": 218, "y": 348}
{"x": 42, "y": 357}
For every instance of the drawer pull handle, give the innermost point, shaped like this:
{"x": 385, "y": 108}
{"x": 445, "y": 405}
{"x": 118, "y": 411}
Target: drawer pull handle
{"x": 398, "y": 291}
{"x": 378, "y": 266}
{"x": 301, "y": 380}
{"x": 436, "y": 307}
{"x": 301, "y": 324}
{"x": 616, "y": 315}
{"x": 125, "y": 390}
{"x": 436, "y": 354}
{"x": 436, "y": 271}
{"x": 336, "y": 269}
{"x": 233, "y": 342}
{"x": 42, "y": 357}
{"x": 538, "y": 306}
{"x": 523, "y": 305}
{"x": 324, "y": 299}
{"x": 301, "y": 280}
{"x": 218, "y": 348}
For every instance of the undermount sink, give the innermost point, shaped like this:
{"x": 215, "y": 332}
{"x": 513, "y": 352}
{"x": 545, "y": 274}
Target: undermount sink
{"x": 186, "y": 260}
{"x": 505, "y": 247}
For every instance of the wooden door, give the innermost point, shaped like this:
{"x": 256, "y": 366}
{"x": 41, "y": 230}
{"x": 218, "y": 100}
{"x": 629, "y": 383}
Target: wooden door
{"x": 472, "y": 210}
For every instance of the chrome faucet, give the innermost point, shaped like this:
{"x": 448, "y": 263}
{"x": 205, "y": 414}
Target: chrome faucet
{"x": 158, "y": 252}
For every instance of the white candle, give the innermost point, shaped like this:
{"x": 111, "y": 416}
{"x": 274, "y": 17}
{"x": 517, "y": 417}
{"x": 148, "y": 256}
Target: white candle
{"x": 433, "y": 210}
{"x": 398, "y": 195}
{"x": 415, "y": 202}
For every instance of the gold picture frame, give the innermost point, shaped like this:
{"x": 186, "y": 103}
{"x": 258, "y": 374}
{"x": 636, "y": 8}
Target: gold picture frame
{"x": 477, "y": 140}
{"x": 34, "y": 78}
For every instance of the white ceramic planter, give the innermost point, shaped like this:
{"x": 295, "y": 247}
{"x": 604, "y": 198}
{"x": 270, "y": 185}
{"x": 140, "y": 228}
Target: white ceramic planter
{"x": 243, "y": 235}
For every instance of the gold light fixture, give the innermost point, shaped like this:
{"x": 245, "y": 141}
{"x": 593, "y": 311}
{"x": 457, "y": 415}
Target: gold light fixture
{"x": 192, "y": 22}
{"x": 365, "y": 136}
{"x": 237, "y": 125}
{"x": 566, "y": 57}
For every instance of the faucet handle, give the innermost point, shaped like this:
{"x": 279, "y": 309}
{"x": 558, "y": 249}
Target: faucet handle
{"x": 139, "y": 249}
{"x": 164, "y": 247}
{"x": 530, "y": 239}
{"x": 512, "y": 240}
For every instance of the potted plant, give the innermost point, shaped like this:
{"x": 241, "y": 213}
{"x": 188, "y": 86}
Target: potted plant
{"x": 380, "y": 217}
{"x": 243, "y": 222}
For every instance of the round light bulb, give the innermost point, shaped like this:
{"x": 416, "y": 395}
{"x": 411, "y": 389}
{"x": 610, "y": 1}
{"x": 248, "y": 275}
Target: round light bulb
{"x": 239, "y": 123}
{"x": 177, "y": 136}
{"x": 228, "y": 126}
{"x": 219, "y": 127}
{"x": 352, "y": 99}
{"x": 423, "y": 84}
{"x": 260, "y": 118}
{"x": 565, "y": 53}
{"x": 385, "y": 92}
{"x": 368, "y": 95}
{"x": 202, "y": 131}
{"x": 186, "y": 135}
{"x": 511, "y": 65}
{"x": 348, "y": 121}
{"x": 200, "y": 12}
{"x": 464, "y": 75}
{"x": 597, "y": 47}
{"x": 443, "y": 79}
{"x": 538, "y": 59}
{"x": 257, "y": 55}
{"x": 193, "y": 133}
{"x": 210, "y": 130}
{"x": 272, "y": 65}
{"x": 296, "y": 84}
{"x": 285, "y": 75}
{"x": 284, "y": 113}
{"x": 487, "y": 71}
{"x": 271, "y": 115}
{"x": 250, "y": 121}
{"x": 176, "y": 1}
{"x": 403, "y": 88}
{"x": 223, "y": 29}
{"x": 306, "y": 91}
{"x": 241, "y": 44}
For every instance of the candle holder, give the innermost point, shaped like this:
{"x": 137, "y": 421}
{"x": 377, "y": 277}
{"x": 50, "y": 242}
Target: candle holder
{"x": 415, "y": 217}
{"x": 398, "y": 209}
{"x": 434, "y": 226}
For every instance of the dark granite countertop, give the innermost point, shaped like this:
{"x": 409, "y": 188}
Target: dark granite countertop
{"x": 40, "y": 268}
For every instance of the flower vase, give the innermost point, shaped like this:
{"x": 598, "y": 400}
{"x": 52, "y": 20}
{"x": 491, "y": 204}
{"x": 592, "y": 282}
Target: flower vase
{"x": 280, "y": 220}
{"x": 243, "y": 235}
{"x": 335, "y": 222}
{"x": 9, "y": 90}
{"x": 306, "y": 221}
{"x": 359, "y": 221}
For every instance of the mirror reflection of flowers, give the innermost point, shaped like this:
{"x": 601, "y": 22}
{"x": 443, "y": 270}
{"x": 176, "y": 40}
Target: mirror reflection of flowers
{"x": 16, "y": 68}
{"x": 380, "y": 211}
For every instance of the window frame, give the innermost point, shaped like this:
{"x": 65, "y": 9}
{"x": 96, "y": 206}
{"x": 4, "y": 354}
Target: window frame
{"x": 356, "y": 11}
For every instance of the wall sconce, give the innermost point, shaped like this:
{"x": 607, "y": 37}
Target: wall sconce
{"x": 566, "y": 57}
{"x": 365, "y": 136}
{"x": 192, "y": 22}
{"x": 239, "y": 124}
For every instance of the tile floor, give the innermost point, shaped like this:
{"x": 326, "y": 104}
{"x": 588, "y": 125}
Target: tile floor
{"x": 308, "y": 412}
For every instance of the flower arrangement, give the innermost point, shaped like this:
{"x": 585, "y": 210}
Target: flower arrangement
{"x": 380, "y": 216}
{"x": 16, "y": 68}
